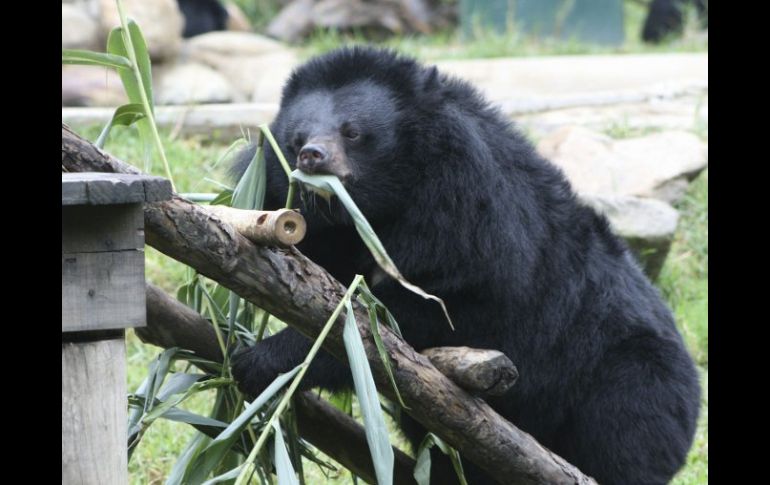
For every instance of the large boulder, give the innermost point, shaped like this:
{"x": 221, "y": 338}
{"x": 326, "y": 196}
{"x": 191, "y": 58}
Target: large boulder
{"x": 161, "y": 22}
{"x": 192, "y": 83}
{"x": 658, "y": 165}
{"x": 647, "y": 225}
{"x": 79, "y": 30}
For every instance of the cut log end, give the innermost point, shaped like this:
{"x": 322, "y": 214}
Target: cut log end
{"x": 479, "y": 371}
{"x": 283, "y": 228}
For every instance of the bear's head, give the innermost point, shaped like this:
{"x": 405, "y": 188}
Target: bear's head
{"x": 357, "y": 113}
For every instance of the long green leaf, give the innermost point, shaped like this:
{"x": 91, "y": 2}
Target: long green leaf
{"x": 368, "y": 300}
{"x": 283, "y": 468}
{"x": 249, "y": 193}
{"x": 178, "y": 383}
{"x": 142, "y": 59}
{"x": 329, "y": 184}
{"x": 116, "y": 45}
{"x": 228, "y": 475}
{"x": 190, "y": 453}
{"x": 363, "y": 382}
{"x": 162, "y": 408}
{"x": 217, "y": 449}
{"x": 89, "y": 58}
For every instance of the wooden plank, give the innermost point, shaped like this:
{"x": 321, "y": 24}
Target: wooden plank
{"x": 101, "y": 228}
{"x": 102, "y": 291}
{"x": 95, "y": 188}
{"x": 93, "y": 413}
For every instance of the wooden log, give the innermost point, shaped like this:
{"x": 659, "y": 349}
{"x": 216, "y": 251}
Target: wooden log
{"x": 481, "y": 371}
{"x": 302, "y": 294}
{"x": 283, "y": 228}
{"x": 172, "y": 324}
{"x": 93, "y": 412}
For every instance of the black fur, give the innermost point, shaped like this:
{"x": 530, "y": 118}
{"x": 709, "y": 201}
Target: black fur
{"x": 470, "y": 212}
{"x": 665, "y": 18}
{"x": 201, "y": 16}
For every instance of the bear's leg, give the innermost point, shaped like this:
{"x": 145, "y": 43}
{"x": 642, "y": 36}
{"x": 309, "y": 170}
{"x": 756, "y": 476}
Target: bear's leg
{"x": 636, "y": 422}
{"x": 256, "y": 367}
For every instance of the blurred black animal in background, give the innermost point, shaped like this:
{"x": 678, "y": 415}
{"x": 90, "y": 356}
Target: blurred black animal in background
{"x": 666, "y": 18}
{"x": 201, "y": 16}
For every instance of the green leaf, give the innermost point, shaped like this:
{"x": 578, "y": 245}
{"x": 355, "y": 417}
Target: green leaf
{"x": 283, "y": 468}
{"x": 190, "y": 453}
{"x": 160, "y": 409}
{"x": 363, "y": 382}
{"x": 374, "y": 323}
{"x": 116, "y": 45}
{"x": 89, "y": 58}
{"x": 178, "y": 383}
{"x": 328, "y": 185}
{"x": 249, "y": 193}
{"x": 142, "y": 55}
{"x": 224, "y": 198}
{"x": 216, "y": 450}
{"x": 422, "y": 467}
{"x": 228, "y": 475}
{"x": 125, "y": 116}
{"x": 184, "y": 416}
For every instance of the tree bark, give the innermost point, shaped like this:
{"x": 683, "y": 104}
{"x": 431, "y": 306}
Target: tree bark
{"x": 484, "y": 372}
{"x": 300, "y": 293}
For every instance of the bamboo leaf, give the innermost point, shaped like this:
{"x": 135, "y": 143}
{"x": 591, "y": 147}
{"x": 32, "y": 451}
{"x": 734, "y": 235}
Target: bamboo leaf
{"x": 374, "y": 421}
{"x": 125, "y": 116}
{"x": 116, "y": 45}
{"x": 329, "y": 184}
{"x": 89, "y": 58}
{"x": 191, "y": 451}
{"x": 422, "y": 467}
{"x": 216, "y": 450}
{"x": 283, "y": 468}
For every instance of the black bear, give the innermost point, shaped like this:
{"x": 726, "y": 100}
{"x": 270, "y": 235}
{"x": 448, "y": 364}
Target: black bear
{"x": 201, "y": 16}
{"x": 666, "y": 18}
{"x": 471, "y": 213}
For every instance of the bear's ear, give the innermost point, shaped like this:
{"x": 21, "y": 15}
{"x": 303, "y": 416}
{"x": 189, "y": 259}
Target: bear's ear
{"x": 431, "y": 81}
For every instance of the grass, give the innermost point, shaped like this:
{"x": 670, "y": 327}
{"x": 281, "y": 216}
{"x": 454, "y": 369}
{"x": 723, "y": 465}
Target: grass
{"x": 684, "y": 283}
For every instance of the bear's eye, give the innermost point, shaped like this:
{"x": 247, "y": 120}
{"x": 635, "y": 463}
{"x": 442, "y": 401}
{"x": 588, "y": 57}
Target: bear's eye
{"x": 349, "y": 132}
{"x": 296, "y": 144}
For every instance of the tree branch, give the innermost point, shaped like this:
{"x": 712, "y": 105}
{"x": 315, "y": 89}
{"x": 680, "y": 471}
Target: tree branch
{"x": 172, "y": 324}
{"x": 300, "y": 293}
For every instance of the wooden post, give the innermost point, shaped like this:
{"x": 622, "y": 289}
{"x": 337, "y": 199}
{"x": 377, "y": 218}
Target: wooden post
{"x": 103, "y": 293}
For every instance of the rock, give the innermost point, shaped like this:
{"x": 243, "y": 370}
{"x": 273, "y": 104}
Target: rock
{"x": 91, "y": 86}
{"x": 254, "y": 65}
{"x": 550, "y": 82}
{"x": 684, "y": 113}
{"x": 231, "y": 44}
{"x": 79, "y": 30}
{"x": 236, "y": 19}
{"x": 191, "y": 83}
{"x": 657, "y": 165}
{"x": 227, "y": 121}
{"x": 647, "y": 225}
{"x": 161, "y": 22}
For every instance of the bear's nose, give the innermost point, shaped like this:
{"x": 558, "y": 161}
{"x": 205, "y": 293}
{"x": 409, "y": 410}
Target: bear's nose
{"x": 313, "y": 158}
